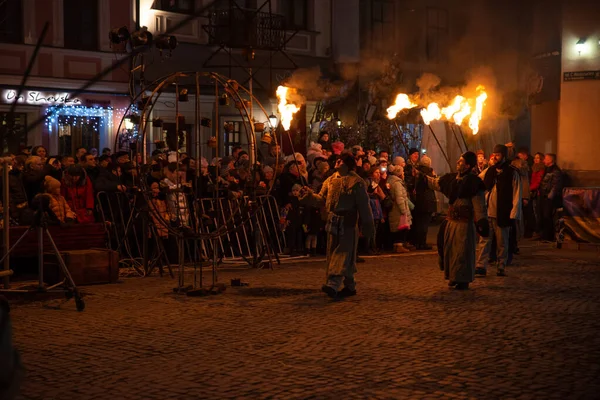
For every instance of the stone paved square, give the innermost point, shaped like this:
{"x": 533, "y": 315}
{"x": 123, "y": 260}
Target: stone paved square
{"x": 533, "y": 334}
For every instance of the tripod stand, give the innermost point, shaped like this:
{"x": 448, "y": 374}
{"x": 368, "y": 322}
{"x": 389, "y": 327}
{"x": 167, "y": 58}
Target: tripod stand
{"x": 40, "y": 225}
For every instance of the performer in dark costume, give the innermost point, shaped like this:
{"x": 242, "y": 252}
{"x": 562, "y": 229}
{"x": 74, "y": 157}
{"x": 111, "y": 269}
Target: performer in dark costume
{"x": 457, "y": 239}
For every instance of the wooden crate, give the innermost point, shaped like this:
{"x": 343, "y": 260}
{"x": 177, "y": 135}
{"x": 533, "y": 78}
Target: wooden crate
{"x": 87, "y": 267}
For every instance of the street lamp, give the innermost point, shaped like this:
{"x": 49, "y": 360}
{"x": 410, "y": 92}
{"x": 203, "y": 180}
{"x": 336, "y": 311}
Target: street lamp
{"x": 338, "y": 122}
{"x": 273, "y": 121}
{"x": 580, "y": 45}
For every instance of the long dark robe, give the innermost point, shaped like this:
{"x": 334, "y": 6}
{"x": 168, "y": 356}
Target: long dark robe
{"x": 459, "y": 238}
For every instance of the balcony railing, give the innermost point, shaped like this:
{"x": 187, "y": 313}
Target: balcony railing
{"x": 240, "y": 28}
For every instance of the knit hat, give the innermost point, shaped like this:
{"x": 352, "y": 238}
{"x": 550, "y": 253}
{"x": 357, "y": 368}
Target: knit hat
{"x": 395, "y": 169}
{"x": 204, "y": 162}
{"x": 426, "y": 161}
{"x": 413, "y": 150}
{"x": 502, "y": 149}
{"x": 337, "y": 147}
{"x": 51, "y": 184}
{"x": 356, "y": 149}
{"x": 266, "y": 169}
{"x": 480, "y": 152}
{"x": 296, "y": 187}
{"x": 399, "y": 161}
{"x": 471, "y": 159}
{"x": 372, "y": 160}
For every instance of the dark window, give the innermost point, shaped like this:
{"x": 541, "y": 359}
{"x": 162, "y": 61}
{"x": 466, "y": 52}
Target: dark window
{"x": 382, "y": 25}
{"x": 437, "y": 34}
{"x": 177, "y": 6}
{"x": 81, "y": 24}
{"x": 15, "y": 137}
{"x": 295, "y": 13}
{"x": 75, "y": 132}
{"x": 11, "y": 21}
{"x": 231, "y": 136}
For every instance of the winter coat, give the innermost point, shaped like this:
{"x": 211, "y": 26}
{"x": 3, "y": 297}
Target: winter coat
{"x": 400, "y": 198}
{"x": 536, "y": 180}
{"x": 425, "y": 200}
{"x": 523, "y": 169}
{"x": 158, "y": 210}
{"x": 33, "y": 182}
{"x": 80, "y": 199}
{"x": 60, "y": 208}
{"x": 552, "y": 184}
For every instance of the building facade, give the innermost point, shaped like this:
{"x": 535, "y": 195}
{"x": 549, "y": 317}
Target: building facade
{"x": 77, "y": 48}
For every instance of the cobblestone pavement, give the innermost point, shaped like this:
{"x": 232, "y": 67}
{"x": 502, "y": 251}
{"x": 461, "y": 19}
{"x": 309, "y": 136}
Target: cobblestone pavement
{"x": 533, "y": 334}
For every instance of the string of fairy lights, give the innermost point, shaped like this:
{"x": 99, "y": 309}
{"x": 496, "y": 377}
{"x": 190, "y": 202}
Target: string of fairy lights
{"x": 95, "y": 116}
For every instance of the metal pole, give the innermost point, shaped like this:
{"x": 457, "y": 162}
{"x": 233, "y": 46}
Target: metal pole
{"x": 441, "y": 148}
{"x": 5, "y": 203}
{"x": 462, "y": 136}
{"x": 455, "y": 137}
{"x": 40, "y": 232}
{"x": 401, "y": 139}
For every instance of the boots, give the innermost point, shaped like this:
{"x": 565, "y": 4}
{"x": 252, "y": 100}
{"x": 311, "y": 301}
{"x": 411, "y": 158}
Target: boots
{"x": 398, "y": 248}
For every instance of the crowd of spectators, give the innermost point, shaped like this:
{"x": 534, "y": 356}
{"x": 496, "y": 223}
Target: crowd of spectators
{"x": 402, "y": 208}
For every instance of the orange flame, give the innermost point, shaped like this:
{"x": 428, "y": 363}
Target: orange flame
{"x": 286, "y": 110}
{"x": 459, "y": 109}
{"x": 464, "y": 112}
{"x": 402, "y": 102}
{"x": 431, "y": 113}
{"x": 478, "y": 113}
{"x": 453, "y": 108}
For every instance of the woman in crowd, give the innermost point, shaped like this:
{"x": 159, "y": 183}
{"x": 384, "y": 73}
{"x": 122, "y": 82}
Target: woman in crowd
{"x": 78, "y": 191}
{"x": 537, "y": 174}
{"x": 400, "y": 217}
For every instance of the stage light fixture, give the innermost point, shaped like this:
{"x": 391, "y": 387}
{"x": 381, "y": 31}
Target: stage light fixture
{"x": 164, "y": 42}
{"x": 119, "y": 35}
{"x": 224, "y": 100}
{"x": 183, "y": 95}
{"x": 141, "y": 38}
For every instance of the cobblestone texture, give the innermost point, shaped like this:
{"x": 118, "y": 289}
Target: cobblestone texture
{"x": 531, "y": 335}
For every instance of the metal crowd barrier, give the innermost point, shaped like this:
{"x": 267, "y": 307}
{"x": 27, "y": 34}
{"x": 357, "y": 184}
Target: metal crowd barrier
{"x": 241, "y": 240}
{"x": 125, "y": 229}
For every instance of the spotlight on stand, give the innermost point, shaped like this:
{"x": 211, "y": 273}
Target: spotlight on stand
{"x": 118, "y": 35}
{"x": 141, "y": 38}
{"x": 165, "y": 42}
{"x": 273, "y": 121}
{"x": 183, "y": 95}
{"x": 224, "y": 100}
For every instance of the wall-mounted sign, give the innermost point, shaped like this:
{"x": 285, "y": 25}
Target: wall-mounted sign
{"x": 581, "y": 76}
{"x": 39, "y": 98}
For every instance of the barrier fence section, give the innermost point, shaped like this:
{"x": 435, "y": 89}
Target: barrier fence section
{"x": 249, "y": 226}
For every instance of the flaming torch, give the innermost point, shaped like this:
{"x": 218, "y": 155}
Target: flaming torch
{"x": 402, "y": 103}
{"x": 477, "y": 114}
{"x": 286, "y": 109}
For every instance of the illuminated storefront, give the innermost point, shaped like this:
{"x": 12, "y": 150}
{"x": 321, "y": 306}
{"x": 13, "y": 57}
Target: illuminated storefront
{"x": 63, "y": 122}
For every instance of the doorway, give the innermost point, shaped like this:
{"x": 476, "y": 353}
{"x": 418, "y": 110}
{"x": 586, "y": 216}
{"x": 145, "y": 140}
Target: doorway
{"x": 76, "y": 132}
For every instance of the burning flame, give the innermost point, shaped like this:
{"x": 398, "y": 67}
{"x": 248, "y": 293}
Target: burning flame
{"x": 465, "y": 110}
{"x": 402, "y": 102}
{"x": 457, "y": 111}
{"x": 477, "y": 114}
{"x": 286, "y": 110}
{"x": 432, "y": 112}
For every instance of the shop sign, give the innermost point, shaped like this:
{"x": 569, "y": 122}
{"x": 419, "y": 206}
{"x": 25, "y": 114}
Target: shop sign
{"x": 39, "y": 98}
{"x": 581, "y": 76}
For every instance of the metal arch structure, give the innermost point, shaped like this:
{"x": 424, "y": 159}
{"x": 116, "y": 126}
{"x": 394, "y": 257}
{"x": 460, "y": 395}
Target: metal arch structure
{"x": 228, "y": 86}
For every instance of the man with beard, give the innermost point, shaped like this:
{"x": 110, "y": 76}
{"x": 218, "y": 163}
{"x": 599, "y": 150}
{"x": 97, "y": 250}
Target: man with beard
{"x": 505, "y": 190}
{"x": 345, "y": 198}
{"x": 457, "y": 238}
